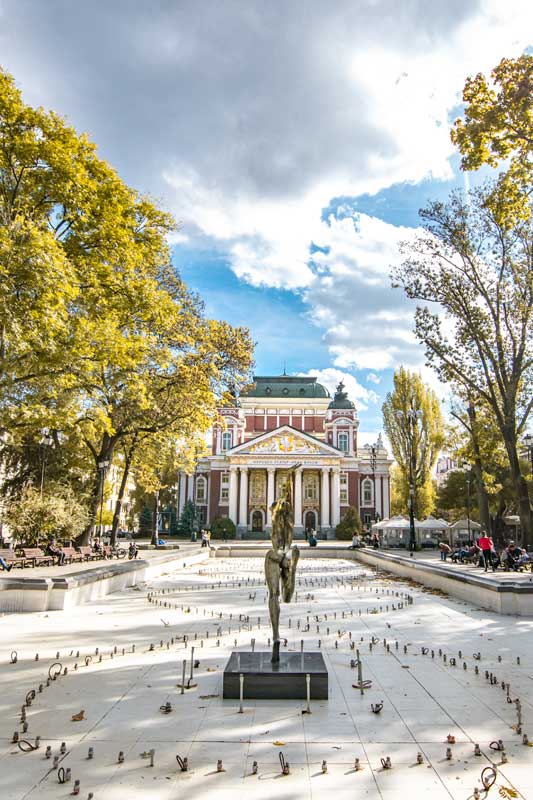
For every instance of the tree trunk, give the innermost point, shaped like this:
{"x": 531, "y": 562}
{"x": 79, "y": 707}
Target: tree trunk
{"x": 482, "y": 496}
{"x": 106, "y": 454}
{"x": 522, "y": 492}
{"x": 120, "y": 497}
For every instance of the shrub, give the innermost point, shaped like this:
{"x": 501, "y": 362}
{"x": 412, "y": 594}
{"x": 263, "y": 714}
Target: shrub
{"x": 187, "y": 522}
{"x": 222, "y": 528}
{"x": 349, "y": 524}
{"x": 33, "y": 519}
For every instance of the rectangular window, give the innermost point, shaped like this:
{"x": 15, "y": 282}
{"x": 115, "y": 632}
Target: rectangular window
{"x": 200, "y": 490}
{"x": 343, "y": 441}
{"x": 310, "y": 487}
{"x": 344, "y": 488}
{"x": 224, "y": 487}
{"x": 226, "y": 440}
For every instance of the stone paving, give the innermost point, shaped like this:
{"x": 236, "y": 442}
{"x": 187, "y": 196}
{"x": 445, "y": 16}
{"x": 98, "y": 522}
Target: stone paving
{"x": 340, "y": 606}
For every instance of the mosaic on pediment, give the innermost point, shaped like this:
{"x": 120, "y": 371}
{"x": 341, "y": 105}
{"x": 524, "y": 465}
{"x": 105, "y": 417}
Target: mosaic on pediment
{"x": 285, "y": 443}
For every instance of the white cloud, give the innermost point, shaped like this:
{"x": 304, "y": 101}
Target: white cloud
{"x": 247, "y": 119}
{"x": 367, "y": 325}
{"x": 373, "y": 378}
{"x": 331, "y": 378}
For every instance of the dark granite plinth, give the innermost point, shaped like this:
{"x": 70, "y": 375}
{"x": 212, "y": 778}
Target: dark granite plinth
{"x": 284, "y": 680}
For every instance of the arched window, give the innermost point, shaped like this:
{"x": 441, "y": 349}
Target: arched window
{"x": 201, "y": 490}
{"x": 343, "y": 441}
{"x": 226, "y": 440}
{"x": 368, "y": 493}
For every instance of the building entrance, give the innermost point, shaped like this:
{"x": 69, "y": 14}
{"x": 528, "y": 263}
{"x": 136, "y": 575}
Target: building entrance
{"x": 257, "y": 521}
{"x": 310, "y": 520}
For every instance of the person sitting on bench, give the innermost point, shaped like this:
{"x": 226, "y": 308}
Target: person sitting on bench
{"x": 509, "y": 557}
{"x": 52, "y": 549}
{"x": 5, "y": 565}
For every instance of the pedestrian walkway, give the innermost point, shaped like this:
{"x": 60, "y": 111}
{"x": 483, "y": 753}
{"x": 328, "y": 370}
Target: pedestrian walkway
{"x": 441, "y": 682}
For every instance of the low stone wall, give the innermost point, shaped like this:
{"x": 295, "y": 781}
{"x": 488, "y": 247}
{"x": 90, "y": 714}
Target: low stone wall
{"x": 505, "y": 597}
{"x": 57, "y": 592}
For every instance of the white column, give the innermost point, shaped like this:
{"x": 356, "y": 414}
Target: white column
{"x": 298, "y": 476}
{"x": 190, "y": 481}
{"x": 219, "y": 440}
{"x": 386, "y": 498}
{"x": 243, "y": 498}
{"x": 378, "y": 504}
{"x": 324, "y": 499}
{"x": 270, "y": 493}
{"x": 335, "y": 498}
{"x": 233, "y": 494}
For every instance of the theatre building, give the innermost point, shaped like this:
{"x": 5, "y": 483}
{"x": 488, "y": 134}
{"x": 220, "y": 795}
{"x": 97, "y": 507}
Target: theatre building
{"x": 278, "y": 423}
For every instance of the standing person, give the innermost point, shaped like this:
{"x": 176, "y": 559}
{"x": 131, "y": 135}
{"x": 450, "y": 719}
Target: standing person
{"x": 445, "y": 550}
{"x": 133, "y": 550}
{"x": 375, "y": 541}
{"x": 203, "y": 537}
{"x": 486, "y": 545}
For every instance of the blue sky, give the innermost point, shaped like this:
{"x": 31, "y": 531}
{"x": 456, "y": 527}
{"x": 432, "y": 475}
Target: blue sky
{"x": 295, "y": 150}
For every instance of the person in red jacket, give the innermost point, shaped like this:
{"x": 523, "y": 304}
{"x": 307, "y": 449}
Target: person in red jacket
{"x": 486, "y": 544}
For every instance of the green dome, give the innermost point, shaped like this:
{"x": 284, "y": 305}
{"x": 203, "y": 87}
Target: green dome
{"x": 286, "y": 386}
{"x": 340, "y": 400}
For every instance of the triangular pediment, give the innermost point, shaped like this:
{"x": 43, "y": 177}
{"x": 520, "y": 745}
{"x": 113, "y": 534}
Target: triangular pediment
{"x": 285, "y": 440}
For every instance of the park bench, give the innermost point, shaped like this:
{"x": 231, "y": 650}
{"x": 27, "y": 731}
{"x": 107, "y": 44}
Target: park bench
{"x": 71, "y": 554}
{"x": 88, "y": 553}
{"x": 10, "y": 558}
{"x": 36, "y": 556}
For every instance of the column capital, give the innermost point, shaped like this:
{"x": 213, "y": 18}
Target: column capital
{"x": 271, "y": 470}
{"x": 233, "y": 468}
{"x": 244, "y": 468}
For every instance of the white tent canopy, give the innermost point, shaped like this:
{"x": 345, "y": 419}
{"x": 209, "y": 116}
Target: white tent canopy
{"x": 378, "y": 526}
{"x": 464, "y": 524}
{"x": 432, "y": 524}
{"x": 398, "y": 523}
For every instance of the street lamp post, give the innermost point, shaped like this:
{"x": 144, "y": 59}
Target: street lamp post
{"x": 155, "y": 521}
{"x": 468, "y": 479}
{"x": 45, "y": 442}
{"x": 412, "y": 416}
{"x": 373, "y": 462}
{"x": 103, "y": 466}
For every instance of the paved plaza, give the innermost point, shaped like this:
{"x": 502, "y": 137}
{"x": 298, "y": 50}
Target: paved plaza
{"x": 419, "y": 652}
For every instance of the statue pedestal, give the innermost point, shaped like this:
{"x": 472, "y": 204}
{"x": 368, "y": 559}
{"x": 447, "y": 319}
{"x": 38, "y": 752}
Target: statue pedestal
{"x": 284, "y": 680}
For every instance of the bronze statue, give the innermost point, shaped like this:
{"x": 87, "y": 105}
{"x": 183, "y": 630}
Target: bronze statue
{"x": 282, "y": 559}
